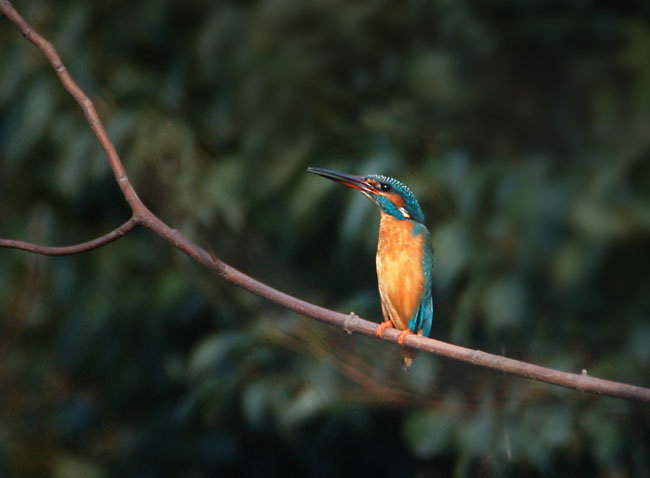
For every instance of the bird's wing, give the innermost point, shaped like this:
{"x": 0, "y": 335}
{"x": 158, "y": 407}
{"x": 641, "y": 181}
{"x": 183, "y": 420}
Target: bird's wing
{"x": 423, "y": 318}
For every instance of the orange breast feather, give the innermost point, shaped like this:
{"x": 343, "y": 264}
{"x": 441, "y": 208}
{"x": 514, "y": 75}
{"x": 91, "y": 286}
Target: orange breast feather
{"x": 399, "y": 269}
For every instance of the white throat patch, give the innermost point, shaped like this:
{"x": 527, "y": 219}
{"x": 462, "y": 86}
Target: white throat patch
{"x": 404, "y": 213}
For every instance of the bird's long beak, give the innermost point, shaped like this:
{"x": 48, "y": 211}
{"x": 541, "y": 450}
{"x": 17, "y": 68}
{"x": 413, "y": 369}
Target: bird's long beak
{"x": 356, "y": 182}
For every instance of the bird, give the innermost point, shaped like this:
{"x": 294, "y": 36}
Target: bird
{"x": 404, "y": 255}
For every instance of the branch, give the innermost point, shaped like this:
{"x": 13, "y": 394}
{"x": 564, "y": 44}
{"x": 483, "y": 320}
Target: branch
{"x": 350, "y": 323}
{"x": 114, "y": 235}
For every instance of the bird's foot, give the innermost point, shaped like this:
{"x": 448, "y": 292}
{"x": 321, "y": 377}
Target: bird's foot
{"x": 402, "y": 336}
{"x": 383, "y": 326}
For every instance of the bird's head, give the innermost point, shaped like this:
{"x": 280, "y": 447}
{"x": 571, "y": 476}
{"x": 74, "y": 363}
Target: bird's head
{"x": 392, "y": 196}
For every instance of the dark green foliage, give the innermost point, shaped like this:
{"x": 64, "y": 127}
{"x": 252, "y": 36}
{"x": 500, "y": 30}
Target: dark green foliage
{"x": 523, "y": 129}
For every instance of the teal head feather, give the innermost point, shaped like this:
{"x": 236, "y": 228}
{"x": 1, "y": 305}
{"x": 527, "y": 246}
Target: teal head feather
{"x": 397, "y": 199}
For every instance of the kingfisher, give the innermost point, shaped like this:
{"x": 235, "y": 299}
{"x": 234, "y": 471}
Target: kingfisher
{"x": 404, "y": 255}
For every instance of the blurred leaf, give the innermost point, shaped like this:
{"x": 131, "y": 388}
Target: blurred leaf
{"x": 209, "y": 354}
{"x": 429, "y": 433}
{"x": 77, "y": 467}
{"x": 304, "y": 406}
{"x": 505, "y": 303}
{"x": 452, "y": 247}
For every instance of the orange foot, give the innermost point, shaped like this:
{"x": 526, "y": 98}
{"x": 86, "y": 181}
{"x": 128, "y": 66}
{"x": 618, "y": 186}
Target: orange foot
{"x": 383, "y": 326}
{"x": 402, "y": 336}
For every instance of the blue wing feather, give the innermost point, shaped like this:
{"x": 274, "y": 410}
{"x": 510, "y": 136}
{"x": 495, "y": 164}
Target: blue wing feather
{"x": 423, "y": 318}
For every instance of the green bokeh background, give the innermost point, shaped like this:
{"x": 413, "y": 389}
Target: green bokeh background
{"x": 522, "y": 126}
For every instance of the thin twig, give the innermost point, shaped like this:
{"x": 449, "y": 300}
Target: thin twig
{"x": 350, "y": 323}
{"x": 114, "y": 235}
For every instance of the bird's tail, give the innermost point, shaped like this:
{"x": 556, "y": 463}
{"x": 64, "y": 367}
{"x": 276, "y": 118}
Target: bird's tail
{"x": 409, "y": 355}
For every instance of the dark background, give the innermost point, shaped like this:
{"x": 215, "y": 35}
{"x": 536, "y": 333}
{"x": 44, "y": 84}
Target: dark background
{"x": 522, "y": 126}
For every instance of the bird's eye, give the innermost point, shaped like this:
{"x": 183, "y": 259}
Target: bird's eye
{"x": 385, "y": 187}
